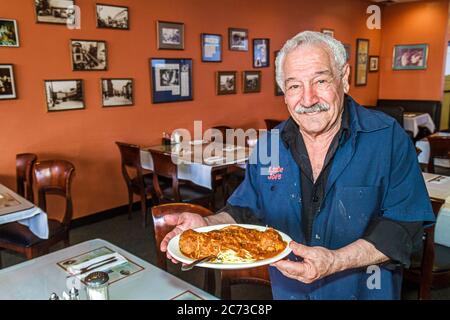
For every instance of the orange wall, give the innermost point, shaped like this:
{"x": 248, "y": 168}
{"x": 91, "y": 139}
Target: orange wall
{"x": 86, "y": 137}
{"x": 414, "y": 23}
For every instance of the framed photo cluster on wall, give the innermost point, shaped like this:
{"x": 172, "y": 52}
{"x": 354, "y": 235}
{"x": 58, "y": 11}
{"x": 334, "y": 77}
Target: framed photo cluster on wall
{"x": 260, "y": 53}
{"x": 211, "y": 47}
{"x": 117, "y": 92}
{"x": 88, "y": 55}
{"x": 226, "y": 82}
{"x": 171, "y": 80}
{"x": 9, "y": 34}
{"x": 7, "y": 82}
{"x": 57, "y": 12}
{"x": 64, "y": 94}
{"x": 238, "y": 39}
{"x": 170, "y": 35}
{"x": 112, "y": 17}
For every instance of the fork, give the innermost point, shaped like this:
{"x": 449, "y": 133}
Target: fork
{"x": 93, "y": 266}
{"x": 189, "y": 266}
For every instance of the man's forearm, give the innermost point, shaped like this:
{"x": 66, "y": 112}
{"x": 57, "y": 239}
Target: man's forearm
{"x": 358, "y": 254}
{"x": 220, "y": 218}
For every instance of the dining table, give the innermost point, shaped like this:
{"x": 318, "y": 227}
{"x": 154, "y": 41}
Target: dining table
{"x": 412, "y": 121}
{"x": 39, "y": 278}
{"x": 15, "y": 208}
{"x": 424, "y": 155}
{"x": 198, "y": 161}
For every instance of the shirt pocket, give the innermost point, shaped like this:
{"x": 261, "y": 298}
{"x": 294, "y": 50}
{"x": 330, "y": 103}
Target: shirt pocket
{"x": 353, "y": 209}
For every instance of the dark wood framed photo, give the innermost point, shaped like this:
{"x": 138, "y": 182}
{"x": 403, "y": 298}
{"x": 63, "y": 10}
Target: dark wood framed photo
{"x": 7, "y": 82}
{"x": 373, "y": 63}
{"x": 211, "y": 47}
{"x": 328, "y": 32}
{"x": 410, "y": 57}
{"x": 62, "y": 95}
{"x": 278, "y": 91}
{"x": 117, "y": 92}
{"x": 112, "y": 17}
{"x": 55, "y": 11}
{"x": 251, "y": 81}
{"x": 362, "y": 59}
{"x": 170, "y": 35}
{"x": 238, "y": 39}
{"x": 88, "y": 55}
{"x": 9, "y": 34}
{"x": 261, "y": 51}
{"x": 226, "y": 82}
{"x": 171, "y": 80}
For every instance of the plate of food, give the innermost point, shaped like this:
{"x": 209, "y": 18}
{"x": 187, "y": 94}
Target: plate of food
{"x": 234, "y": 246}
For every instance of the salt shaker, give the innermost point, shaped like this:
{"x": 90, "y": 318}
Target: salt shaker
{"x": 97, "y": 285}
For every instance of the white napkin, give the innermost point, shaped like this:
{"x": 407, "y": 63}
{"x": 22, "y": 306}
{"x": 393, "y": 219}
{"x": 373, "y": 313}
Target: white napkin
{"x": 74, "y": 269}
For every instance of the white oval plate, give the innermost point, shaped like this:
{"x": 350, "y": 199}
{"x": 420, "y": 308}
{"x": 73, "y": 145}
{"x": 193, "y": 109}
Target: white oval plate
{"x": 174, "y": 250}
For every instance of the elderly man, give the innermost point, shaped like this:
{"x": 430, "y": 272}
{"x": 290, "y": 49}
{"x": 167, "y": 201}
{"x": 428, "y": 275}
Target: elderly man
{"x": 348, "y": 188}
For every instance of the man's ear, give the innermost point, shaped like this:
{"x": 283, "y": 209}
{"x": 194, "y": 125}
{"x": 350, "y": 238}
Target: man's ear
{"x": 345, "y": 76}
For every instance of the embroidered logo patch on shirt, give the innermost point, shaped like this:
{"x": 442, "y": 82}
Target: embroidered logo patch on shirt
{"x": 275, "y": 173}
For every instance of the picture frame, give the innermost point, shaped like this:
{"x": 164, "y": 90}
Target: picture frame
{"x": 211, "y": 47}
{"x": 170, "y": 35}
{"x": 410, "y": 57}
{"x": 117, "y": 92}
{"x": 63, "y": 95}
{"x": 374, "y": 63}
{"x": 89, "y": 55}
{"x": 362, "y": 59}
{"x": 261, "y": 50}
{"x": 251, "y": 81}
{"x": 278, "y": 91}
{"x": 226, "y": 82}
{"x": 237, "y": 39}
{"x": 9, "y": 34}
{"x": 63, "y": 13}
{"x": 328, "y": 32}
{"x": 7, "y": 82}
{"x": 171, "y": 79}
{"x": 112, "y": 16}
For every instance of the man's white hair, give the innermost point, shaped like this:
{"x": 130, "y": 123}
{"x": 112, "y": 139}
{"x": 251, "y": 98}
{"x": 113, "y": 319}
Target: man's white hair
{"x": 335, "y": 48}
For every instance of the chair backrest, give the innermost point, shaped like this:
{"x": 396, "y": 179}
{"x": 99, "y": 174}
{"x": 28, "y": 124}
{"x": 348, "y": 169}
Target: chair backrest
{"x": 55, "y": 177}
{"x": 24, "y": 175}
{"x": 164, "y": 167}
{"x": 272, "y": 123}
{"x": 395, "y": 112}
{"x": 161, "y": 228}
{"x": 439, "y": 148}
{"x": 130, "y": 159}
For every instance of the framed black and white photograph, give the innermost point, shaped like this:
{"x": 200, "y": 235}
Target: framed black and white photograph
{"x": 64, "y": 95}
{"x": 7, "y": 83}
{"x": 117, "y": 92}
{"x": 261, "y": 53}
{"x": 88, "y": 55}
{"x": 226, "y": 82}
{"x": 9, "y": 35}
{"x": 373, "y": 63}
{"x": 251, "y": 81}
{"x": 238, "y": 39}
{"x": 211, "y": 47}
{"x": 328, "y": 32}
{"x": 362, "y": 60}
{"x": 278, "y": 91}
{"x": 55, "y": 11}
{"x": 112, "y": 17}
{"x": 171, "y": 80}
{"x": 170, "y": 35}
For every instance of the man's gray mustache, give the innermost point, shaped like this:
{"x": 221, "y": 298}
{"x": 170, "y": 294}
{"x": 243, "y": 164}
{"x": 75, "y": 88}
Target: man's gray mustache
{"x": 314, "y": 108}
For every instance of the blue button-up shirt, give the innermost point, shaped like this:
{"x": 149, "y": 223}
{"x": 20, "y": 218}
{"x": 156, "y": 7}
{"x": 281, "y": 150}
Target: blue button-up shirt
{"x": 374, "y": 173}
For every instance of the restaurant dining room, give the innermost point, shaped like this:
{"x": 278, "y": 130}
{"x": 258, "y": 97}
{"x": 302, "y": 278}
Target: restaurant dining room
{"x": 225, "y": 150}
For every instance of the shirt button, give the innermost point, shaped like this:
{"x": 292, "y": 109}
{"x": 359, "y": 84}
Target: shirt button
{"x": 272, "y": 188}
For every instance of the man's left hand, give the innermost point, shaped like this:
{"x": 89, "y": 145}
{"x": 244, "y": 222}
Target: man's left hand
{"x": 318, "y": 262}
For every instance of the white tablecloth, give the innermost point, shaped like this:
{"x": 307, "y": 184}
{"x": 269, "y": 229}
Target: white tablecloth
{"x": 424, "y": 156}
{"x": 411, "y": 122}
{"x": 198, "y": 173}
{"x": 34, "y": 218}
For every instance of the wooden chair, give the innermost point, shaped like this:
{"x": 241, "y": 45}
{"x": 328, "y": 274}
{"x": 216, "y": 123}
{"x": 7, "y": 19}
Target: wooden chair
{"x": 138, "y": 180}
{"x": 52, "y": 177}
{"x": 430, "y": 268}
{"x": 439, "y": 148}
{"x": 24, "y": 175}
{"x": 272, "y": 123}
{"x": 228, "y": 278}
{"x": 177, "y": 190}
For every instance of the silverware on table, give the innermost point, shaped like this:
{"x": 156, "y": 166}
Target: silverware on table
{"x": 438, "y": 178}
{"x": 189, "y": 266}
{"x": 94, "y": 266}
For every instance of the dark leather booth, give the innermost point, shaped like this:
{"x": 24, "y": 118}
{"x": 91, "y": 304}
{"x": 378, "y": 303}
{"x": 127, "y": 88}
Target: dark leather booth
{"x": 433, "y": 108}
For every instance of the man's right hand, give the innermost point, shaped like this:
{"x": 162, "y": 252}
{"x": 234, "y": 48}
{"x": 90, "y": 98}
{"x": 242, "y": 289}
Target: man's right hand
{"x": 181, "y": 221}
